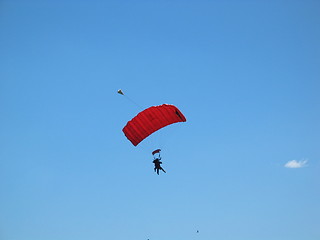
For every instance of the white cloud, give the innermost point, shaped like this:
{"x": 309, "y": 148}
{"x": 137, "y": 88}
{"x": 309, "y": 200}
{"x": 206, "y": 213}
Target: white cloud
{"x": 296, "y": 164}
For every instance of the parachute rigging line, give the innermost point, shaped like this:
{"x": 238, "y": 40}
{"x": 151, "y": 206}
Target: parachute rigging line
{"x": 129, "y": 99}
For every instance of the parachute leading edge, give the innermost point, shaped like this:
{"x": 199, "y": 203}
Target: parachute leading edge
{"x": 151, "y": 120}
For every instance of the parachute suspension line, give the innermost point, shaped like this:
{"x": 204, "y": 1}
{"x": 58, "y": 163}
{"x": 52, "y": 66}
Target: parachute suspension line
{"x": 129, "y": 99}
{"x": 165, "y": 138}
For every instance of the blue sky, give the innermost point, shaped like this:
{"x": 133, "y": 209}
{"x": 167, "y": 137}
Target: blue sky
{"x": 244, "y": 166}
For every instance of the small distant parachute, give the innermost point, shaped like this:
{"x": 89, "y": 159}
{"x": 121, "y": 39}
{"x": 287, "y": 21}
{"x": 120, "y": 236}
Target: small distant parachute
{"x": 120, "y": 92}
{"x": 151, "y": 120}
{"x": 156, "y": 154}
{"x": 156, "y": 151}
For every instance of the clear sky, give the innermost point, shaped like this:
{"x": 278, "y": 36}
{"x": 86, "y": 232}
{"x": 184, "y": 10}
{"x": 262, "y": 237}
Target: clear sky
{"x": 245, "y": 165}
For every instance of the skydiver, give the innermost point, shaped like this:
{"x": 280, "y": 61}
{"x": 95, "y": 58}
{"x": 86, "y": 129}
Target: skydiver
{"x": 157, "y": 165}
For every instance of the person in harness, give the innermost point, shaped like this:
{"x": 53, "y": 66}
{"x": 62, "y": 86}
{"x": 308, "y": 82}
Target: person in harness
{"x": 157, "y": 162}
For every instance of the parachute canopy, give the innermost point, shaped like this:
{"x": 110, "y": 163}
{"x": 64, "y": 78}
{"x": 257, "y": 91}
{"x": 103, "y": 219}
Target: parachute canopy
{"x": 156, "y": 151}
{"x": 150, "y": 120}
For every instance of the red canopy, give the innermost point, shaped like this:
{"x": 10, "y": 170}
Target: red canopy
{"x": 156, "y": 151}
{"x": 150, "y": 120}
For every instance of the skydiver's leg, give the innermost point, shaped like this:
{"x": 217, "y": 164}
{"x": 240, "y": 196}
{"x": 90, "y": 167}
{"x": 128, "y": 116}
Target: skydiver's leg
{"x": 158, "y": 171}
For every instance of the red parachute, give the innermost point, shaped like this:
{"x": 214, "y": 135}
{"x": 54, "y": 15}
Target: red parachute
{"x": 151, "y": 120}
{"x": 156, "y": 151}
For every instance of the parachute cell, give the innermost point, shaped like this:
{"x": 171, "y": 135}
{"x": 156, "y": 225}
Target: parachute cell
{"x": 150, "y": 120}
